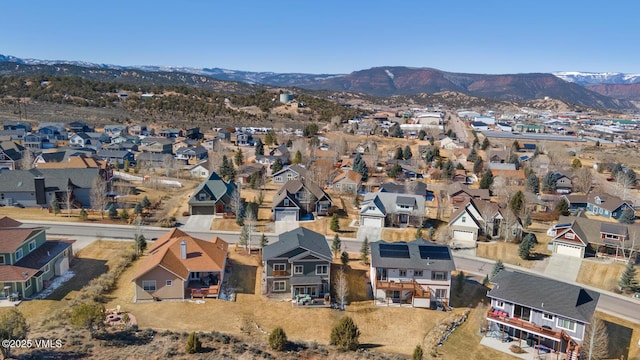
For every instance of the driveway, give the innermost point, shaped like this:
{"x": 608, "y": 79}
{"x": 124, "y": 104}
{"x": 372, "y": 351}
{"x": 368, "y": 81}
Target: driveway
{"x": 284, "y": 226}
{"x": 564, "y": 268}
{"x": 198, "y": 223}
{"x": 371, "y": 233}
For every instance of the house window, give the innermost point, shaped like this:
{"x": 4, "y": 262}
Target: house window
{"x": 499, "y": 304}
{"x": 464, "y": 219}
{"x": 289, "y": 176}
{"x": 286, "y": 202}
{"x": 570, "y": 235}
{"x": 46, "y": 268}
{"x": 438, "y": 275}
{"x": 322, "y": 269}
{"x": 169, "y": 283}
{"x": 403, "y": 273}
{"x": 279, "y": 267}
{"x": 371, "y": 208}
{"x": 32, "y": 246}
{"x": 18, "y": 254}
{"x": 441, "y": 293}
{"x": 298, "y": 269}
{"x": 417, "y": 273}
{"x": 278, "y": 178}
{"x": 202, "y": 197}
{"x": 279, "y": 286}
{"x": 149, "y": 285}
{"x": 194, "y": 275}
{"x": 547, "y": 316}
{"x": 27, "y": 284}
{"x": 566, "y": 324}
{"x": 2, "y": 261}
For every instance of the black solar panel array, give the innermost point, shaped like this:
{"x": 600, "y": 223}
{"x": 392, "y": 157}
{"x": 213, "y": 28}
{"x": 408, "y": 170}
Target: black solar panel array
{"x": 434, "y": 252}
{"x": 398, "y": 251}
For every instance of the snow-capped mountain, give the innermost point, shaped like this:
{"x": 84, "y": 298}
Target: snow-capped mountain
{"x": 589, "y": 78}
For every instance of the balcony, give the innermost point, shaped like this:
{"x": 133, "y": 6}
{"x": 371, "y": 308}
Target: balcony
{"x": 524, "y": 325}
{"x": 279, "y": 273}
{"x": 418, "y": 290}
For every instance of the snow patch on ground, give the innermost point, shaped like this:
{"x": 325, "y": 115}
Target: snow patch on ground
{"x": 390, "y": 74}
{"x": 56, "y": 283}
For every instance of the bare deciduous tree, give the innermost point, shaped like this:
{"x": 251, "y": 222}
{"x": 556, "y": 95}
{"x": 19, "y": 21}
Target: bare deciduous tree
{"x": 67, "y": 200}
{"x": 596, "y": 341}
{"x": 342, "y": 288}
{"x": 97, "y": 195}
{"x": 583, "y": 179}
{"x": 26, "y": 162}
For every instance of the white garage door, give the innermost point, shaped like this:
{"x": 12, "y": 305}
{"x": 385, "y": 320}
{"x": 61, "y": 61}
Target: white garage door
{"x": 569, "y": 250}
{"x": 286, "y": 216}
{"x": 462, "y": 235}
{"x": 372, "y": 222}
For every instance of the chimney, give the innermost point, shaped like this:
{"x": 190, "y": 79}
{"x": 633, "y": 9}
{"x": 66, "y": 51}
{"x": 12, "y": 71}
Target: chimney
{"x": 183, "y": 250}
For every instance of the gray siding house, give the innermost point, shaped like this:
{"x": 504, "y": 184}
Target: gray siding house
{"x": 213, "y": 196}
{"x": 299, "y": 263}
{"x": 548, "y": 314}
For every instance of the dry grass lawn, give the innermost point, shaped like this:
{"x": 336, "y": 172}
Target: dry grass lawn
{"x": 405, "y": 234}
{"x": 601, "y": 274}
{"x": 624, "y": 337}
{"x": 507, "y": 252}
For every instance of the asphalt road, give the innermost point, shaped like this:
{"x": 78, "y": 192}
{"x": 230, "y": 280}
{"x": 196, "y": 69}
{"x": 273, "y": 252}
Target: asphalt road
{"x": 626, "y": 308}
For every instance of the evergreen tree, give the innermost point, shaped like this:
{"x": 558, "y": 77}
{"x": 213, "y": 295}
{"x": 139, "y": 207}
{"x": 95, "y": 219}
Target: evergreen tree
{"x": 461, "y": 279}
{"x": 399, "y": 154}
{"x": 83, "y": 214}
{"x": 336, "y": 245}
{"x": 485, "y": 143}
{"x": 55, "y": 206}
{"x": 194, "y": 345}
{"x": 527, "y": 220}
{"x": 394, "y": 171}
{"x": 141, "y": 244}
{"x": 360, "y": 166}
{"x": 270, "y": 138}
{"x": 418, "y": 353}
{"x": 335, "y": 223}
{"x": 278, "y": 339}
{"x": 13, "y": 326}
{"x": 432, "y": 232}
{"x": 226, "y": 170}
{"x": 516, "y": 203}
{"x": 524, "y": 249}
{"x": 276, "y": 166}
{"x": 515, "y": 146}
{"x": 473, "y": 154}
{"x": 562, "y": 207}
{"x": 124, "y": 215}
{"x": 407, "y": 154}
{"x": 499, "y": 266}
{"x": 289, "y": 143}
{"x": 364, "y": 251}
{"x": 344, "y": 258}
{"x": 397, "y": 132}
{"x": 576, "y": 164}
{"x": 345, "y": 335}
{"x": 138, "y": 209}
{"x": 422, "y": 134}
{"x": 478, "y": 165}
{"x": 627, "y": 280}
{"x": 448, "y": 169}
{"x": 485, "y": 281}
{"x": 418, "y": 233}
{"x": 238, "y": 157}
{"x": 263, "y": 241}
{"x": 628, "y": 216}
{"x": 259, "y": 147}
{"x": 113, "y": 212}
{"x": 533, "y": 183}
{"x": 145, "y": 202}
{"x": 297, "y": 158}
{"x": 486, "y": 180}
{"x": 549, "y": 183}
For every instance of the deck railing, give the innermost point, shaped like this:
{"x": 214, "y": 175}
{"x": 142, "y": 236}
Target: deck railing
{"x": 418, "y": 290}
{"x": 525, "y": 325}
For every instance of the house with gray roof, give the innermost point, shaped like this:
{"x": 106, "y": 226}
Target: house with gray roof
{"x": 10, "y": 154}
{"x": 293, "y": 172}
{"x": 37, "y": 187}
{"x": 295, "y": 199}
{"x": 213, "y": 196}
{"x": 580, "y": 237}
{"x": 382, "y": 209}
{"x": 299, "y": 263}
{"x": 546, "y": 313}
{"x": 415, "y": 273}
{"x": 409, "y": 187}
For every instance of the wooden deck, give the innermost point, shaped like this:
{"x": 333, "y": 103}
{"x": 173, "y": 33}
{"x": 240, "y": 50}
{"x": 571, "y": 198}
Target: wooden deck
{"x": 203, "y": 292}
{"x": 418, "y": 290}
{"x": 526, "y": 326}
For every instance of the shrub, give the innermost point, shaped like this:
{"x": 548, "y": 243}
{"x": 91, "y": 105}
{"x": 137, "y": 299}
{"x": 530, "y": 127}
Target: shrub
{"x": 345, "y": 335}
{"x": 278, "y": 339}
{"x": 418, "y": 353}
{"x": 193, "y": 344}
{"x": 186, "y": 213}
{"x": 83, "y": 214}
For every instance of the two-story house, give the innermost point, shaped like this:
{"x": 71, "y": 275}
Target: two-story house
{"x": 170, "y": 133}
{"x": 546, "y": 313}
{"x": 299, "y": 263}
{"x": 347, "y": 181}
{"x": 580, "y": 237}
{"x": 115, "y": 130}
{"x": 10, "y": 154}
{"x": 191, "y": 155}
{"x": 417, "y": 273}
{"x": 244, "y": 139}
{"x": 180, "y": 266}
{"x": 28, "y": 261}
{"x": 293, "y": 172}
{"x": 156, "y": 145}
{"x": 382, "y": 209}
{"x": 116, "y": 157}
{"x": 479, "y": 217}
{"x": 80, "y": 126}
{"x": 459, "y": 194}
{"x": 213, "y": 196}
{"x": 295, "y": 200}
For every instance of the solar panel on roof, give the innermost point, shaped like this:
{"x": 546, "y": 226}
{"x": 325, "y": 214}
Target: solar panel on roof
{"x": 434, "y": 252}
{"x": 397, "y": 251}
{"x": 561, "y": 225}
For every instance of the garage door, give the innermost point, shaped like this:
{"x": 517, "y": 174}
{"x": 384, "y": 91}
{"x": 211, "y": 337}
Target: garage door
{"x": 286, "y": 216}
{"x": 202, "y": 210}
{"x": 462, "y": 235}
{"x": 372, "y": 222}
{"x": 569, "y": 250}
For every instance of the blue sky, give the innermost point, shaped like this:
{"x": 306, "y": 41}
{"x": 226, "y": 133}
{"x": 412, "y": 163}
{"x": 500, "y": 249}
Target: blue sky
{"x": 330, "y": 36}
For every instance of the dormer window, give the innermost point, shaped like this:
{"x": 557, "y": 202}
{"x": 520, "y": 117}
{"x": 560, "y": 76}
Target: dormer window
{"x": 570, "y": 235}
{"x": 464, "y": 219}
{"x": 286, "y": 202}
